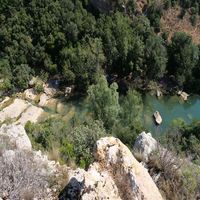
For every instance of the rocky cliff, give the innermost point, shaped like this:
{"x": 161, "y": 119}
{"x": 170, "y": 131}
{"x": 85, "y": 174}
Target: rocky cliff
{"x": 115, "y": 174}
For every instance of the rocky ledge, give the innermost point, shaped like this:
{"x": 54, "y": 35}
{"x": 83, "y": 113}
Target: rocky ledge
{"x": 116, "y": 175}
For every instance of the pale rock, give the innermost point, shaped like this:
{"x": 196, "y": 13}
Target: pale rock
{"x": 32, "y": 114}
{"x": 43, "y": 100}
{"x": 33, "y": 81}
{"x": 9, "y": 155}
{"x": 158, "y": 93}
{"x": 145, "y": 144}
{"x": 183, "y": 95}
{"x": 6, "y": 99}
{"x": 157, "y": 117}
{"x": 68, "y": 91}
{"x": 17, "y": 136}
{"x": 14, "y": 110}
{"x": 60, "y": 108}
{"x": 50, "y": 91}
{"x": 30, "y": 94}
{"x": 115, "y": 175}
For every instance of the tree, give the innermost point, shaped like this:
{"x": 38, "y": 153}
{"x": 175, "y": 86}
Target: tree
{"x": 22, "y": 75}
{"x": 103, "y": 101}
{"x": 116, "y": 34}
{"x": 154, "y": 13}
{"x": 155, "y": 56}
{"x": 129, "y": 123}
{"x": 5, "y": 75}
{"x": 131, "y": 108}
{"x": 84, "y": 138}
{"x": 81, "y": 63}
{"x": 183, "y": 57}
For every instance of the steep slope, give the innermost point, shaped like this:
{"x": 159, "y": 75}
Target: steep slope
{"x": 116, "y": 174}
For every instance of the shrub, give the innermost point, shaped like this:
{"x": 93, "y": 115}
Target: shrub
{"x": 22, "y": 178}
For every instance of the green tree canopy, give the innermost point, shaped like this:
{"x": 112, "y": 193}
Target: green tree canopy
{"x": 104, "y": 101}
{"x": 155, "y": 57}
{"x": 183, "y": 57}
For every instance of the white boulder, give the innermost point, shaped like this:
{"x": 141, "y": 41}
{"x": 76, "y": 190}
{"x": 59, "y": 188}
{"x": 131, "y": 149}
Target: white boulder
{"x": 30, "y": 94}
{"x": 17, "y": 136}
{"x": 157, "y": 117}
{"x": 145, "y": 144}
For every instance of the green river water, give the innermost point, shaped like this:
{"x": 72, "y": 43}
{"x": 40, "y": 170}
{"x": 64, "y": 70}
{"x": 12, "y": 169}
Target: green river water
{"x": 170, "y": 108}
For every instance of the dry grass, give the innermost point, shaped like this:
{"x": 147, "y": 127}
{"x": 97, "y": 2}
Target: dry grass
{"x": 174, "y": 176}
{"x": 171, "y": 23}
{"x": 22, "y": 178}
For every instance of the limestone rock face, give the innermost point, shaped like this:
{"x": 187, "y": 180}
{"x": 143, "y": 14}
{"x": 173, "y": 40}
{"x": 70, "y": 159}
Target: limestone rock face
{"x": 145, "y": 144}
{"x": 116, "y": 174}
{"x": 20, "y": 112}
{"x": 32, "y": 114}
{"x": 43, "y": 100}
{"x": 14, "y": 110}
{"x": 50, "y": 91}
{"x": 30, "y": 94}
{"x": 16, "y": 135}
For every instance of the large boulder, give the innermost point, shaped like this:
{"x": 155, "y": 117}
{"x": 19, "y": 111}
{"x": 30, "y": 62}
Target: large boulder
{"x": 14, "y": 110}
{"x": 43, "y": 100}
{"x": 183, "y": 95}
{"x": 145, "y": 144}
{"x": 16, "y": 136}
{"x": 116, "y": 174}
{"x": 49, "y": 90}
{"x": 20, "y": 112}
{"x": 157, "y": 117}
{"x": 32, "y": 114}
{"x": 30, "y": 94}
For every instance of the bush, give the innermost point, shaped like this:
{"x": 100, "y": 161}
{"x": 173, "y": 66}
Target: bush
{"x": 64, "y": 143}
{"x": 21, "y": 177}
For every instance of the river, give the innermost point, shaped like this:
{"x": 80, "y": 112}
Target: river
{"x": 170, "y": 108}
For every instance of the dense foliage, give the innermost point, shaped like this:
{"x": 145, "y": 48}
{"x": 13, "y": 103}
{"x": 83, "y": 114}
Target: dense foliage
{"x": 185, "y": 140}
{"x": 66, "y": 143}
{"x": 70, "y": 39}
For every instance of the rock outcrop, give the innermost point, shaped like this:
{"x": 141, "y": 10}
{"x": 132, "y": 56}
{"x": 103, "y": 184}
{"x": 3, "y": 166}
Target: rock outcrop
{"x": 32, "y": 114}
{"x": 116, "y": 174}
{"x": 30, "y": 94}
{"x": 183, "y": 95}
{"x": 145, "y": 144}
{"x": 43, "y": 100}
{"x": 20, "y": 112}
{"x": 16, "y": 136}
{"x": 13, "y": 110}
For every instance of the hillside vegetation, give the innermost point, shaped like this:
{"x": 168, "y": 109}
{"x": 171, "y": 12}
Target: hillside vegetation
{"x": 72, "y": 40}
